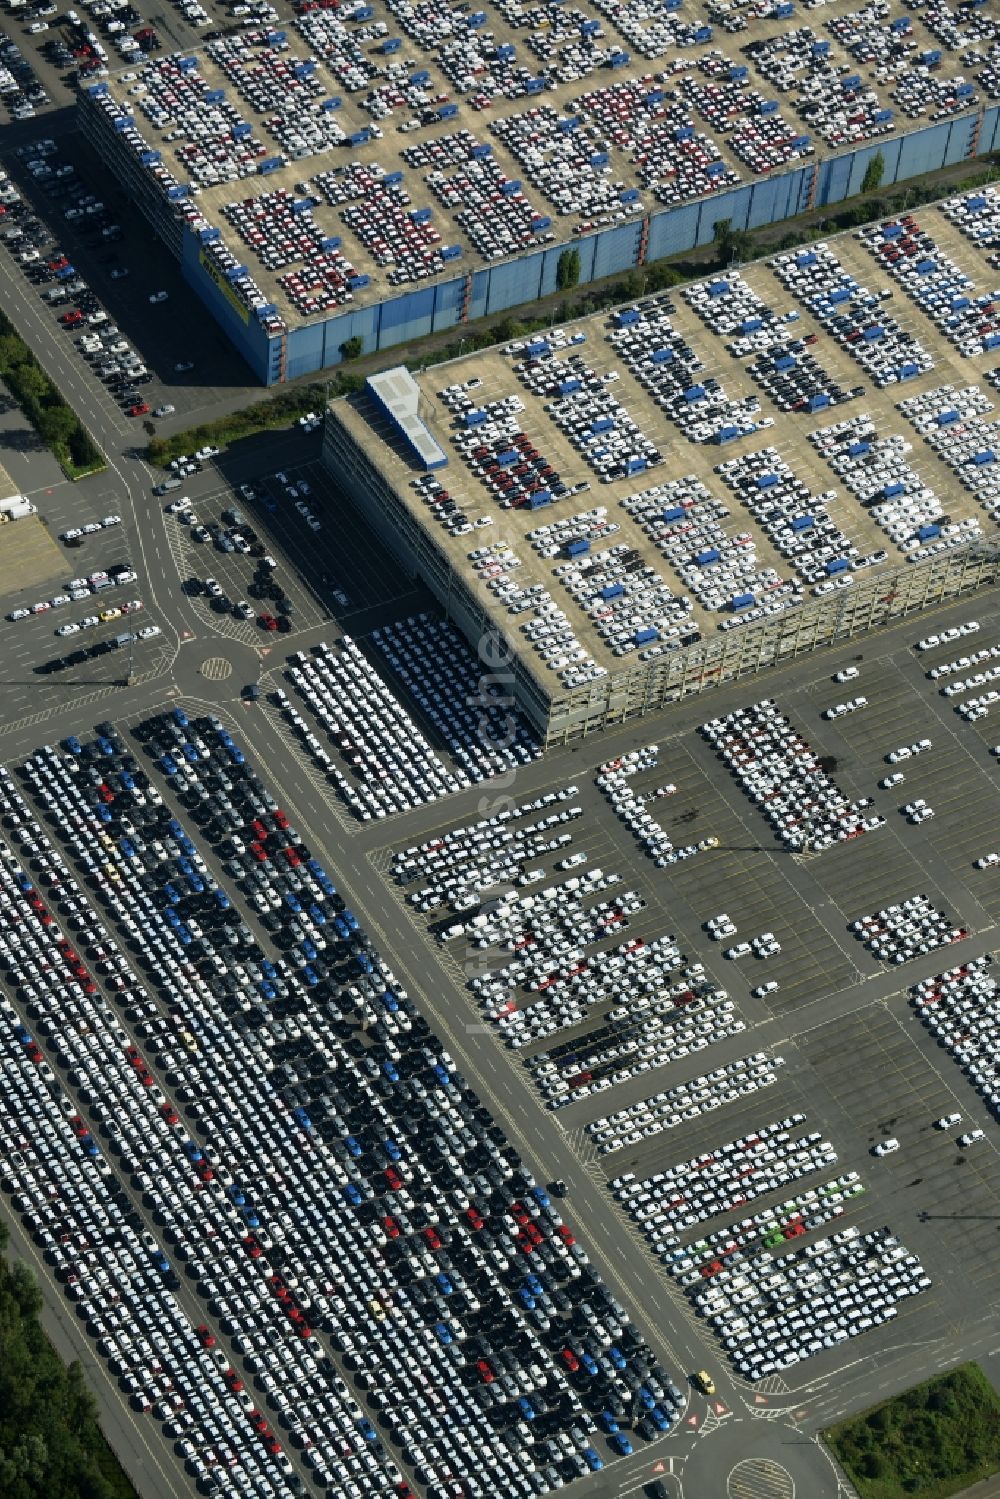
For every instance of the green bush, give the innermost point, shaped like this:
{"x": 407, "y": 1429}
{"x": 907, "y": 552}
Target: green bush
{"x": 936, "y": 1439}
{"x": 51, "y": 1446}
{"x": 56, "y": 423}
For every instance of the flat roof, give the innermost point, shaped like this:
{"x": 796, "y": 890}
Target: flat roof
{"x": 399, "y": 393}
{"x": 685, "y": 463}
{"x": 664, "y": 103}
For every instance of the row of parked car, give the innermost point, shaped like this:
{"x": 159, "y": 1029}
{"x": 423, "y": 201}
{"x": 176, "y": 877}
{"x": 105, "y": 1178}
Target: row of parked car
{"x": 951, "y": 421}
{"x": 906, "y": 929}
{"x": 390, "y": 765}
{"x": 667, "y": 1010}
{"x": 646, "y": 340}
{"x": 875, "y": 467}
{"x": 667, "y": 1203}
{"x": 959, "y": 1008}
{"x": 484, "y": 732}
{"x": 770, "y": 1312}
{"x": 685, "y": 1101}
{"x": 776, "y": 768}
{"x": 856, "y": 317}
{"x": 967, "y": 318}
{"x": 405, "y": 1142}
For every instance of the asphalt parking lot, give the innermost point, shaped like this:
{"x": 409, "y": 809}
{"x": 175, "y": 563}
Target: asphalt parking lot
{"x": 857, "y": 1061}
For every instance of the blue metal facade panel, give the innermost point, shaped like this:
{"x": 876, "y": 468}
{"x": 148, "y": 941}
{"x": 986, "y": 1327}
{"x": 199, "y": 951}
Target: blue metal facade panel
{"x": 306, "y": 349}
{"x": 776, "y": 197}
{"x": 406, "y": 317}
{"x": 834, "y": 179}
{"x": 733, "y": 205}
{"x": 505, "y": 287}
{"x": 617, "y": 249}
{"x": 248, "y": 337}
{"x": 448, "y": 303}
{"x": 960, "y": 138}
{"x": 480, "y": 292}
{"x": 923, "y": 151}
{"x": 989, "y": 135}
{"x": 672, "y": 232}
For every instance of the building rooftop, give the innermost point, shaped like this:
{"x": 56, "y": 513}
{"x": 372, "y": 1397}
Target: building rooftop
{"x": 604, "y": 503}
{"x": 387, "y": 145}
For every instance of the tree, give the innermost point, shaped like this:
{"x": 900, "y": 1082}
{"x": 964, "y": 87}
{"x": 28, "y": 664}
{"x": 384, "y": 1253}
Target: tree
{"x": 731, "y": 244}
{"x": 874, "y": 172}
{"x": 352, "y": 348}
{"x": 568, "y": 270}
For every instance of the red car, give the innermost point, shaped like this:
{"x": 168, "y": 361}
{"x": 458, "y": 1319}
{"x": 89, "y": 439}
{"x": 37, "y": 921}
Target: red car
{"x": 432, "y": 1237}
{"x": 565, "y": 1234}
{"x": 139, "y": 409}
{"x": 394, "y": 1179}
{"x": 485, "y": 1370}
{"x": 281, "y": 819}
{"x": 267, "y": 621}
{"x": 570, "y": 1359}
{"x": 292, "y": 857}
{"x": 391, "y": 1227}
{"x": 71, "y": 319}
{"x": 205, "y": 1337}
{"x": 475, "y": 1218}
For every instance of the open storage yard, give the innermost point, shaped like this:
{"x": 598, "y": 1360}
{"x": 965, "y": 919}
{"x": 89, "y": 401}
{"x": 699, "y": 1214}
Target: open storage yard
{"x": 403, "y": 147}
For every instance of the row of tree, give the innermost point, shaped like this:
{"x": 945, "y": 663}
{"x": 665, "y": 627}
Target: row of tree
{"x": 56, "y": 423}
{"x": 51, "y": 1446}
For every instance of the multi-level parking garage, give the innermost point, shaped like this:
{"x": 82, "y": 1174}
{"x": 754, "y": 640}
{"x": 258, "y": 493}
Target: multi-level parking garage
{"x": 680, "y": 492}
{"x": 384, "y": 171}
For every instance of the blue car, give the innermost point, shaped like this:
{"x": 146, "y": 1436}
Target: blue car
{"x": 367, "y": 1430}
{"x": 352, "y": 1194}
{"x": 526, "y": 1408}
{"x": 393, "y": 1151}
{"x": 354, "y": 1149}
{"x": 310, "y": 949}
{"x": 588, "y": 1362}
{"x": 444, "y": 1284}
{"x": 391, "y": 1071}
{"x": 237, "y": 1195}
{"x": 645, "y": 1397}
{"x": 175, "y": 827}
{"x": 390, "y": 1002}
{"x": 190, "y": 753}
{"x": 105, "y": 746}
{"x": 293, "y": 902}
{"x": 127, "y": 780}
{"x": 593, "y": 1459}
{"x": 168, "y": 765}
{"x": 73, "y": 745}
{"x": 223, "y": 902}
{"x": 620, "y": 1443}
{"x": 607, "y": 1422}
{"x": 310, "y": 976}
{"x": 180, "y": 718}
{"x": 364, "y": 962}
{"x": 103, "y": 812}
{"x": 350, "y": 918}
{"x": 534, "y": 1285}
{"x": 443, "y": 1333}
{"x": 317, "y": 914}
{"x": 540, "y": 1195}
{"x": 267, "y": 968}
{"x": 526, "y": 1299}
{"x": 302, "y": 1117}
{"x": 267, "y": 989}
{"x": 172, "y": 893}
{"x": 659, "y": 1418}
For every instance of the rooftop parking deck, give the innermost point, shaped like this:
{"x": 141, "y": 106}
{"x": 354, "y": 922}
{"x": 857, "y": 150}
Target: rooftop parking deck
{"x": 550, "y": 125}
{"x": 607, "y": 511}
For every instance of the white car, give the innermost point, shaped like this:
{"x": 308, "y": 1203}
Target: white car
{"x": 903, "y": 753}
{"x": 891, "y": 780}
{"x": 206, "y": 452}
{"x": 847, "y": 675}
{"x": 987, "y": 861}
{"x": 971, "y": 1137}
{"x": 72, "y": 534}
{"x": 158, "y": 296}
{"x": 41, "y": 606}
{"x": 741, "y": 950}
{"x": 69, "y": 629}
{"x": 886, "y": 1147}
{"x": 107, "y": 521}
{"x": 947, "y": 1120}
{"x": 166, "y": 410}
{"x": 763, "y": 989}
{"x": 148, "y": 631}
{"x": 16, "y": 614}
